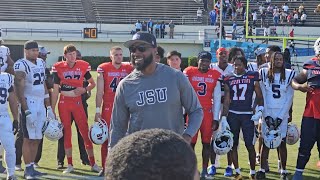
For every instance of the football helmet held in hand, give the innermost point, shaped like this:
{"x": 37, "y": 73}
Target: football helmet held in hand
{"x": 293, "y": 134}
{"x": 98, "y": 132}
{"x": 223, "y": 142}
{"x": 52, "y": 129}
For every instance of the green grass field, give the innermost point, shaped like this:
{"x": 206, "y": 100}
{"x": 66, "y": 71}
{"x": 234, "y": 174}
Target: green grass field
{"x": 48, "y": 162}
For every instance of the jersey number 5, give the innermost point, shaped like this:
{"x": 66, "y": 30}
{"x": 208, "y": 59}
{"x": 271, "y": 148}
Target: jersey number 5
{"x": 114, "y": 83}
{"x": 239, "y": 88}
{"x": 276, "y": 91}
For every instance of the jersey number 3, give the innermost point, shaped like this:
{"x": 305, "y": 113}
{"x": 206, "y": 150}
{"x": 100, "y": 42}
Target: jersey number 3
{"x": 239, "y": 88}
{"x": 203, "y": 91}
{"x": 114, "y": 83}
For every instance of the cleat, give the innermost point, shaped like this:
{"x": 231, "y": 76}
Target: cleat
{"x": 261, "y": 175}
{"x": 18, "y": 168}
{"x": 28, "y": 173}
{"x": 101, "y": 173}
{"x": 13, "y": 177}
{"x": 238, "y": 176}
{"x": 60, "y": 165}
{"x": 297, "y": 176}
{"x": 212, "y": 170}
{"x": 228, "y": 172}
{"x": 95, "y": 168}
{"x": 283, "y": 176}
{"x": 203, "y": 174}
{"x": 37, "y": 173}
{"x": 69, "y": 169}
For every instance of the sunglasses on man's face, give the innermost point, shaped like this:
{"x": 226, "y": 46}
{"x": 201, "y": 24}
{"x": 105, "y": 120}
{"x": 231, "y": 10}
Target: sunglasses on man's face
{"x": 141, "y": 48}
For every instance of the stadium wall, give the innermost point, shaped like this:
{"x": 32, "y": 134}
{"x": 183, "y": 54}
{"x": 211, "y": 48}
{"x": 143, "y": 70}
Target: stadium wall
{"x": 188, "y": 40}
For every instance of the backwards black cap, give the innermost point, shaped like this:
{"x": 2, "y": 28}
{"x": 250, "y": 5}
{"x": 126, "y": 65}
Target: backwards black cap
{"x": 30, "y": 44}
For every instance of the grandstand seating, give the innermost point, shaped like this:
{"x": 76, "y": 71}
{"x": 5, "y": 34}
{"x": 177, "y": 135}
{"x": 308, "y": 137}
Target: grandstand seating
{"x": 42, "y": 10}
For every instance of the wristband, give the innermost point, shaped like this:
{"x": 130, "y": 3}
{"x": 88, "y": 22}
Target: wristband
{"x": 46, "y": 96}
{"x": 97, "y": 110}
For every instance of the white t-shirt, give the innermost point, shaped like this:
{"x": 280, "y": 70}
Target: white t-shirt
{"x": 254, "y": 16}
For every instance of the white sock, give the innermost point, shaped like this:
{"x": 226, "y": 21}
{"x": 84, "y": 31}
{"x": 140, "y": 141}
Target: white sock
{"x": 252, "y": 172}
{"x": 28, "y": 165}
{"x": 283, "y": 171}
{"x": 238, "y": 171}
{"x": 262, "y": 170}
{"x": 300, "y": 170}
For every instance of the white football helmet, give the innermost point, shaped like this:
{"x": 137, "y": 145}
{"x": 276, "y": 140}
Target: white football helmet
{"x": 293, "y": 134}
{"x": 98, "y": 132}
{"x": 223, "y": 142}
{"x": 272, "y": 138}
{"x": 317, "y": 46}
{"x": 52, "y": 129}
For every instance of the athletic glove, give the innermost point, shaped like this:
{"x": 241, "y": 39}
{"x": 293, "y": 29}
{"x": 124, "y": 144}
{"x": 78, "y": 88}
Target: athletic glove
{"x": 30, "y": 120}
{"x": 15, "y": 125}
{"x": 257, "y": 115}
{"x": 50, "y": 113}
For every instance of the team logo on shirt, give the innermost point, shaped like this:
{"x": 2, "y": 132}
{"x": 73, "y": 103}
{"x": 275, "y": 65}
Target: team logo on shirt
{"x": 152, "y": 96}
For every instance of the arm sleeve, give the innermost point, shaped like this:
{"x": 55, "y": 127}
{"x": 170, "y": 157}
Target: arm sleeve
{"x": 191, "y": 104}
{"x": 217, "y": 101}
{"x": 119, "y": 118}
{"x": 87, "y": 76}
{"x": 56, "y": 78}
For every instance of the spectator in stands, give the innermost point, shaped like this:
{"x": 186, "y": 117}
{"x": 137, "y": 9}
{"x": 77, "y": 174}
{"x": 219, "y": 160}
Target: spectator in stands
{"x": 270, "y": 9}
{"x": 157, "y": 27}
{"x": 205, "y": 5}
{"x": 217, "y": 30}
{"x": 287, "y": 56}
{"x": 266, "y": 33}
{"x": 152, "y": 154}
{"x": 213, "y": 17}
{"x": 144, "y": 26}
{"x": 138, "y": 26}
{"x": 303, "y": 18}
{"x": 160, "y": 54}
{"x": 171, "y": 29}
{"x": 250, "y": 34}
{"x": 199, "y": 14}
{"x": 150, "y": 26}
{"x": 162, "y": 29}
{"x": 285, "y": 7}
{"x": 295, "y": 19}
{"x": 291, "y": 33}
{"x": 276, "y": 17}
{"x": 317, "y": 10}
{"x": 268, "y": 2}
{"x": 174, "y": 59}
{"x": 254, "y": 18}
{"x": 289, "y": 19}
{"x": 301, "y": 9}
{"x": 263, "y": 19}
{"x": 234, "y": 30}
{"x": 283, "y": 16}
{"x": 261, "y": 9}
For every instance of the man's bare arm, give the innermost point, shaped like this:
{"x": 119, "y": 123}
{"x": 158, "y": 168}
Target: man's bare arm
{"x": 19, "y": 83}
{"x": 226, "y": 102}
{"x": 298, "y": 82}
{"x": 13, "y": 103}
{"x": 99, "y": 95}
{"x": 47, "y": 98}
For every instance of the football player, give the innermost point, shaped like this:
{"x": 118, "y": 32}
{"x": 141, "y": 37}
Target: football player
{"x": 7, "y": 127}
{"x": 206, "y": 83}
{"x": 32, "y": 94}
{"x": 278, "y": 97}
{"x": 239, "y": 88}
{"x": 5, "y": 58}
{"x": 224, "y": 68}
{"x": 68, "y": 78}
{"x": 308, "y": 81}
{"x": 109, "y": 76}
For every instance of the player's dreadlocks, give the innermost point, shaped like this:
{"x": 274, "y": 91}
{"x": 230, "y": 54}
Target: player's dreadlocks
{"x": 271, "y": 71}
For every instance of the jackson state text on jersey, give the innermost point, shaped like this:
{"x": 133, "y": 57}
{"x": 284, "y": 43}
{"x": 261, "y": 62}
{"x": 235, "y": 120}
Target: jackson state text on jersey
{"x": 203, "y": 83}
{"x": 6, "y": 86}
{"x": 70, "y": 78}
{"x": 313, "y": 73}
{"x": 241, "y": 90}
{"x": 276, "y": 92}
{"x": 35, "y": 76}
{"x": 112, "y": 77}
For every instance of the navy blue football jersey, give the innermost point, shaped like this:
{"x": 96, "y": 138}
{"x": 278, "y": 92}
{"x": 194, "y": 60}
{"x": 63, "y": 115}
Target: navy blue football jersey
{"x": 313, "y": 73}
{"x": 241, "y": 90}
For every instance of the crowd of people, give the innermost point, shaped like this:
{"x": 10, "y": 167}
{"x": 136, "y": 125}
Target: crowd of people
{"x": 157, "y": 28}
{"x": 217, "y": 99}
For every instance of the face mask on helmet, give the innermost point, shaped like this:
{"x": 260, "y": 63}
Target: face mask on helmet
{"x": 223, "y": 142}
{"x": 98, "y": 132}
{"x": 293, "y": 134}
{"x": 52, "y": 129}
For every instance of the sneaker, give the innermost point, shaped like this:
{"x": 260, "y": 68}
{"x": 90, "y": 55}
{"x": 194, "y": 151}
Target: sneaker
{"x": 228, "y": 172}
{"x": 28, "y": 173}
{"x": 212, "y": 170}
{"x": 13, "y": 177}
{"x": 60, "y": 165}
{"x": 252, "y": 176}
{"x": 36, "y": 165}
{"x": 261, "y": 175}
{"x": 95, "y": 168}
{"x": 297, "y": 176}
{"x": 257, "y": 160}
{"x": 203, "y": 174}
{"x": 237, "y": 176}
{"x": 283, "y": 176}
{"x": 69, "y": 169}
{"x": 2, "y": 169}
{"x": 18, "y": 168}
{"x": 37, "y": 173}
{"x": 101, "y": 173}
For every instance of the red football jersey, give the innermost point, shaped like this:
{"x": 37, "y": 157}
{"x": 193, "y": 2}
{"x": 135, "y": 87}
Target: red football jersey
{"x": 203, "y": 83}
{"x": 112, "y": 77}
{"x": 71, "y": 78}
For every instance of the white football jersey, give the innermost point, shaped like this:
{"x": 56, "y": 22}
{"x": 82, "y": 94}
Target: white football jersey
{"x": 252, "y": 66}
{"x": 229, "y": 69}
{"x": 35, "y": 77}
{"x": 4, "y": 53}
{"x": 275, "y": 94}
{"x": 6, "y": 86}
